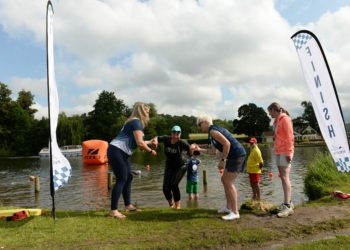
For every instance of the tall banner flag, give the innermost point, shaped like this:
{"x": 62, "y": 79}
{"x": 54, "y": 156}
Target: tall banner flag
{"x": 324, "y": 97}
{"x": 60, "y": 169}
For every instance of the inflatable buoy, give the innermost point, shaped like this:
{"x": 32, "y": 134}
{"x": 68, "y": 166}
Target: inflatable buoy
{"x": 270, "y": 175}
{"x": 95, "y": 152}
{"x": 148, "y": 168}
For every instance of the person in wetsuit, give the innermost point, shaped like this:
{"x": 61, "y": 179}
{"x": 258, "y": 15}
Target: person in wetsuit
{"x": 174, "y": 165}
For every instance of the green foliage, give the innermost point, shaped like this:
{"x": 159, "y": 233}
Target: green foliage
{"x": 38, "y": 135}
{"x": 107, "y": 110}
{"x": 253, "y": 120}
{"x": 162, "y": 124}
{"x": 323, "y": 177}
{"x": 70, "y": 130}
{"x": 25, "y": 100}
{"x": 225, "y": 123}
{"x": 19, "y": 127}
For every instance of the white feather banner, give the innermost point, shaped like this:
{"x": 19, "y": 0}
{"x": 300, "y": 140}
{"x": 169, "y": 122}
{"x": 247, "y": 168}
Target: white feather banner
{"x": 324, "y": 97}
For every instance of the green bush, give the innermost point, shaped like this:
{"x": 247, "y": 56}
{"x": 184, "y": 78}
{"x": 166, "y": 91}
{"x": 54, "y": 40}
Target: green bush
{"x": 323, "y": 177}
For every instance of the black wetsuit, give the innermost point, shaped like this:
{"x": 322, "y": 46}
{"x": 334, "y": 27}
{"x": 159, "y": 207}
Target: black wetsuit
{"x": 174, "y": 167}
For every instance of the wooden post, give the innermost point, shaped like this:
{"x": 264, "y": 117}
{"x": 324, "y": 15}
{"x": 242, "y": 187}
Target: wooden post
{"x": 205, "y": 187}
{"x": 204, "y": 177}
{"x": 37, "y": 184}
{"x": 110, "y": 180}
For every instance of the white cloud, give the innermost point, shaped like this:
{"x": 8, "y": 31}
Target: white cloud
{"x": 180, "y": 54}
{"x": 38, "y": 87}
{"x": 41, "y": 111}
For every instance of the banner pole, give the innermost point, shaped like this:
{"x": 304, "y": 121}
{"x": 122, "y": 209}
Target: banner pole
{"x": 52, "y": 190}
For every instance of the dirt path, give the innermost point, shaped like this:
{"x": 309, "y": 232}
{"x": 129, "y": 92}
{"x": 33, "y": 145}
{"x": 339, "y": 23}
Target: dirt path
{"x": 303, "y": 225}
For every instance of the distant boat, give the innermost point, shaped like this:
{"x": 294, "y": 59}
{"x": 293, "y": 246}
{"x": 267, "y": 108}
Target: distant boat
{"x": 68, "y": 151}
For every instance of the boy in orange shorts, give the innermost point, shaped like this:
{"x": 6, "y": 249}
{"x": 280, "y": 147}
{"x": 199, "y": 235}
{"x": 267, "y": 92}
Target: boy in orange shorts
{"x": 255, "y": 164}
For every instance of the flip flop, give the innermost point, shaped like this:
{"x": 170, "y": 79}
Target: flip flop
{"x": 133, "y": 209}
{"x": 121, "y": 216}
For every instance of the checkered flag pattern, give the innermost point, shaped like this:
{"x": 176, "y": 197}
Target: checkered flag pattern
{"x": 343, "y": 164}
{"x": 61, "y": 176}
{"x": 301, "y": 39}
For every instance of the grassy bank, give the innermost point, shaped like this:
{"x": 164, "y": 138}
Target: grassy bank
{"x": 159, "y": 229}
{"x": 197, "y": 228}
{"x": 152, "y": 228}
{"x": 323, "y": 178}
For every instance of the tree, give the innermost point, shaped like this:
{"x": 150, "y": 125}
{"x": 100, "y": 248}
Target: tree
{"x": 5, "y": 102}
{"x": 107, "y": 110}
{"x": 253, "y": 120}
{"x": 70, "y": 130}
{"x": 309, "y": 115}
{"x": 38, "y": 136}
{"x": 16, "y": 119}
{"x": 25, "y": 100}
{"x": 224, "y": 123}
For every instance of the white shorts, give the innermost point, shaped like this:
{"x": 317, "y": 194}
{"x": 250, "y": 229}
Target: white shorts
{"x": 281, "y": 161}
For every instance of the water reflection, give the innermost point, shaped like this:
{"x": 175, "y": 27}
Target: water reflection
{"x": 88, "y": 187}
{"x": 95, "y": 186}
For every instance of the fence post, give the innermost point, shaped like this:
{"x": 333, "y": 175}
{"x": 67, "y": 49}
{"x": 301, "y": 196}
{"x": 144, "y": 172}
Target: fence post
{"x": 37, "y": 184}
{"x": 204, "y": 177}
{"x": 110, "y": 180}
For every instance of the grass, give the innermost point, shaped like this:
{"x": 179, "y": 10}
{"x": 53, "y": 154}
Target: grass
{"x": 150, "y": 229}
{"x": 323, "y": 178}
{"x": 202, "y": 136}
{"x": 153, "y": 228}
{"x": 339, "y": 243}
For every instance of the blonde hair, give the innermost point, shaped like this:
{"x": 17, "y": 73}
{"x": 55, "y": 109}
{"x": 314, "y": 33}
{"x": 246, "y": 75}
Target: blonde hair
{"x": 204, "y": 118}
{"x": 140, "y": 111}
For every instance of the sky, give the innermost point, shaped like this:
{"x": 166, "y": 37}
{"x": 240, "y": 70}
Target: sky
{"x": 187, "y": 57}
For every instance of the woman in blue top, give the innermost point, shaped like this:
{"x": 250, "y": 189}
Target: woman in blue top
{"x": 232, "y": 161}
{"x": 120, "y": 149}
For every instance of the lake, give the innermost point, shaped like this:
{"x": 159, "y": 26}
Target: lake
{"x": 87, "y": 188}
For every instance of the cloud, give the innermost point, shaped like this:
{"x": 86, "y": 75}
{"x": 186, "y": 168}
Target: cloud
{"x": 187, "y": 57}
{"x": 38, "y": 87}
{"x": 41, "y": 111}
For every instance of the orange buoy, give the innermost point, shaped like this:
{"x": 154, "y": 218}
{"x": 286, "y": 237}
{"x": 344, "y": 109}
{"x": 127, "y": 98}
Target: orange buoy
{"x": 148, "y": 168}
{"x": 95, "y": 152}
{"x": 221, "y": 171}
{"x": 270, "y": 175}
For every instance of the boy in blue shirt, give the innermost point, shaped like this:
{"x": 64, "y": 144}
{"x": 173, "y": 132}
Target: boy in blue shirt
{"x": 192, "y": 176}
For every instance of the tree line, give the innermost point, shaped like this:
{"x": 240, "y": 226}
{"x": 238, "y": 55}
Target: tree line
{"x": 21, "y": 134}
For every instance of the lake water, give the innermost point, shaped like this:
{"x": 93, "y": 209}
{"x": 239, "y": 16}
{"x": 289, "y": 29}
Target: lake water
{"x": 87, "y": 188}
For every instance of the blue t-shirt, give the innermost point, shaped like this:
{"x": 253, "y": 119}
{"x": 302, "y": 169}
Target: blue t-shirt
{"x": 236, "y": 149}
{"x": 125, "y": 140}
{"x": 192, "y": 169}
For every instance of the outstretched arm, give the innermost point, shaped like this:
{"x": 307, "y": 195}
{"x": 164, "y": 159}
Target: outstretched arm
{"x": 138, "y": 135}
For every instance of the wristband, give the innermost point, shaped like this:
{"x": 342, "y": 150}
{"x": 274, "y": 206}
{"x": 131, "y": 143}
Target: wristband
{"x": 224, "y": 160}
{"x": 150, "y": 151}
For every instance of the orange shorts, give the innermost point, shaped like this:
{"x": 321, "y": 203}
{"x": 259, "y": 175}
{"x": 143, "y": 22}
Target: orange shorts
{"x": 255, "y": 178}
